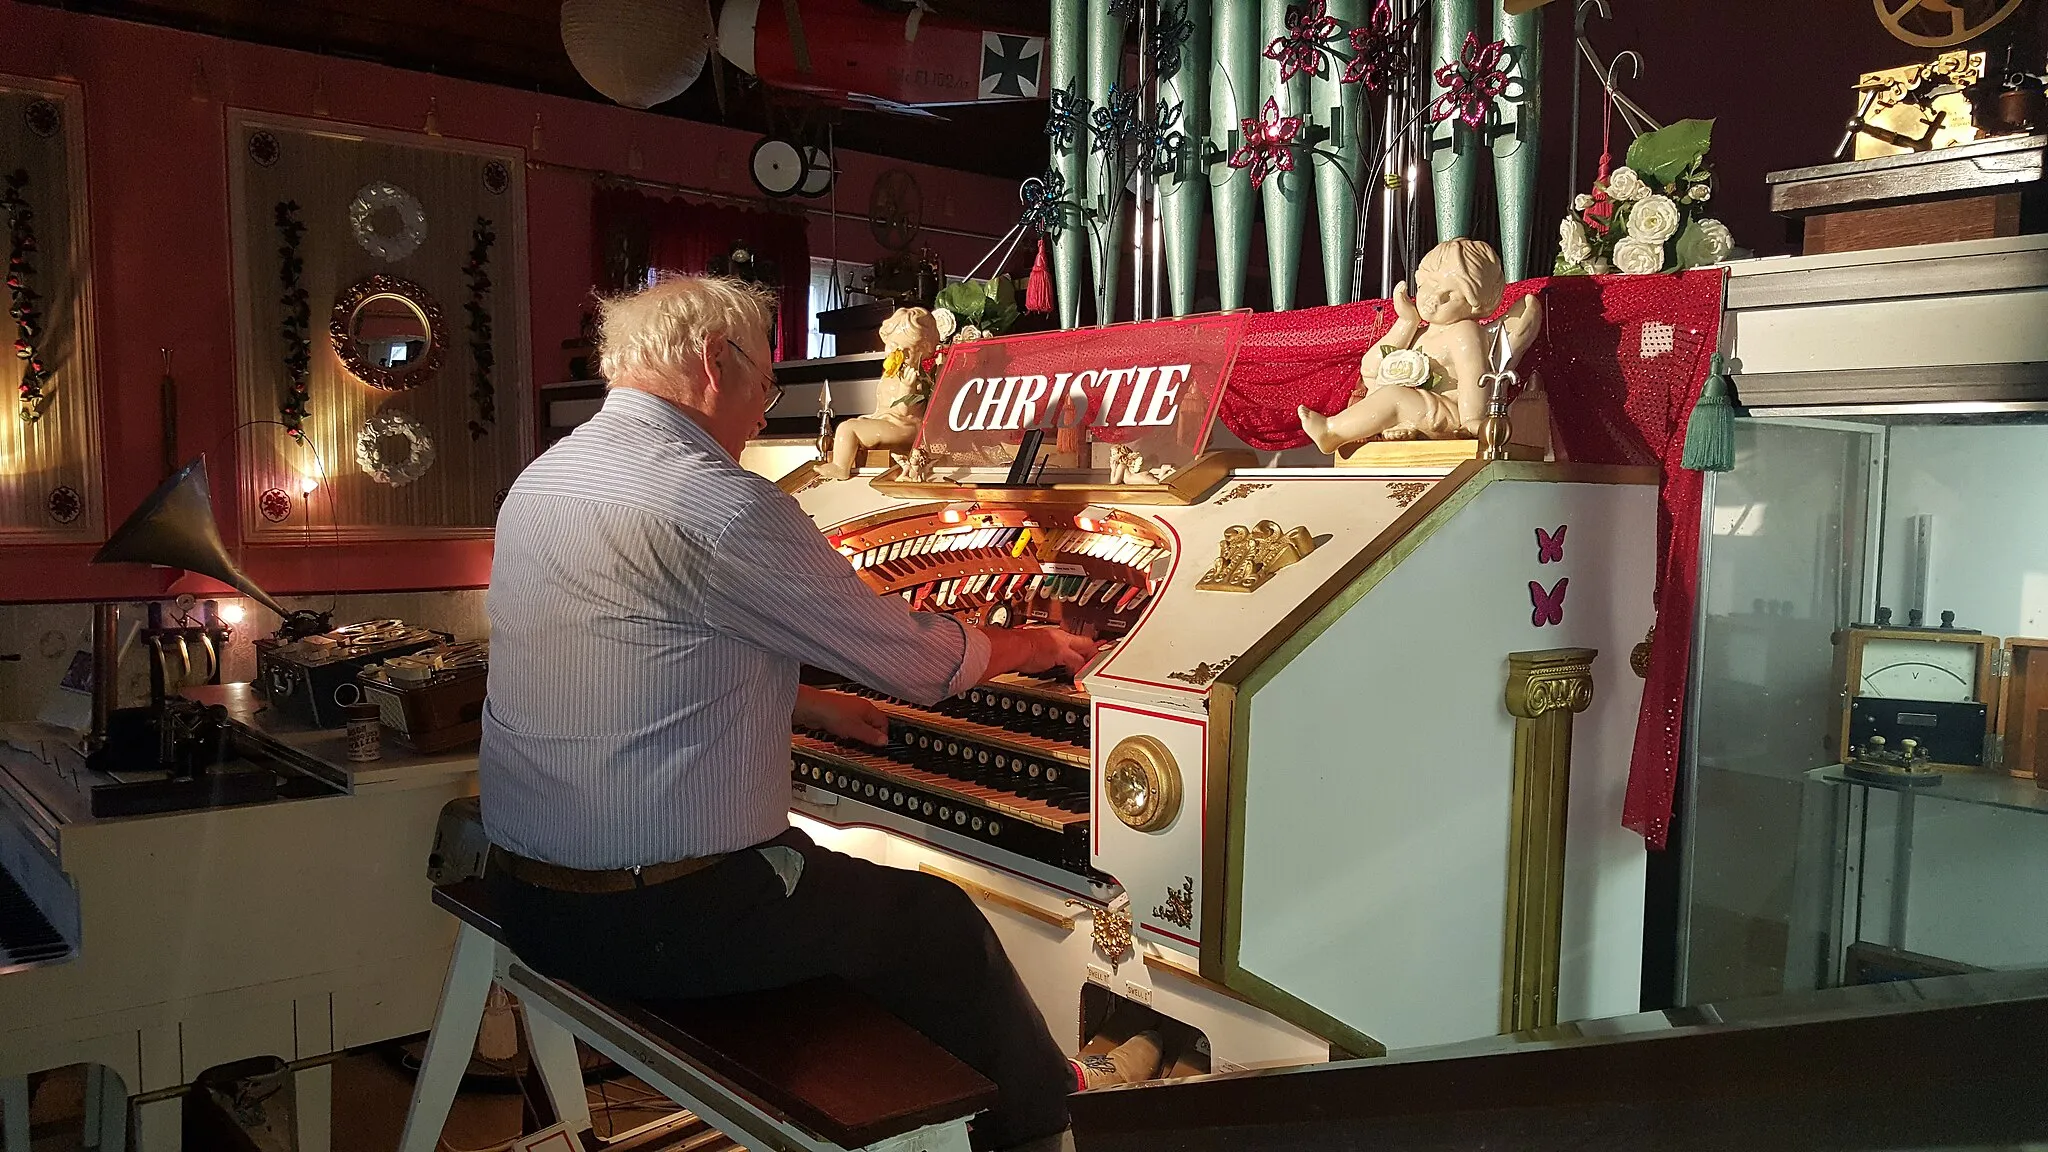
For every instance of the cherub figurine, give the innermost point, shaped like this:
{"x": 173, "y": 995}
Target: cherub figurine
{"x": 911, "y": 336}
{"x": 1423, "y": 380}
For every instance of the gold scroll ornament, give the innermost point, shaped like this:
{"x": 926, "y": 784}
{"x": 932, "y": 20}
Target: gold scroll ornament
{"x": 1248, "y": 557}
{"x": 1545, "y": 690}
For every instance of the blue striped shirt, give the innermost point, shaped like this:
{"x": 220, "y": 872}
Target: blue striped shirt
{"x": 650, "y": 603}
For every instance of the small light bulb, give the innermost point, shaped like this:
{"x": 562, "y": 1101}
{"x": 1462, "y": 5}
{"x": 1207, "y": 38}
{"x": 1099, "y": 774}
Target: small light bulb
{"x": 306, "y": 485}
{"x": 233, "y": 613}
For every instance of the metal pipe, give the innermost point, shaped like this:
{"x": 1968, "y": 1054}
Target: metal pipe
{"x": 1339, "y": 166}
{"x": 1285, "y": 194}
{"x": 1069, "y": 248}
{"x": 106, "y": 671}
{"x": 1184, "y": 192}
{"x": 1233, "y": 98}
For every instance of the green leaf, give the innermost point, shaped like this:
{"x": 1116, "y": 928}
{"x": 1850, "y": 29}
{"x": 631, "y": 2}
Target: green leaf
{"x": 965, "y": 300}
{"x": 1666, "y": 154}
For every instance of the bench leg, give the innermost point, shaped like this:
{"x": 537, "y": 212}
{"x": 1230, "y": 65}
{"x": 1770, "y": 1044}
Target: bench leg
{"x": 453, "y": 1038}
{"x": 313, "y": 1107}
{"x": 160, "y": 1125}
{"x": 554, "y": 1053}
{"x": 106, "y": 1109}
{"x": 14, "y": 1114}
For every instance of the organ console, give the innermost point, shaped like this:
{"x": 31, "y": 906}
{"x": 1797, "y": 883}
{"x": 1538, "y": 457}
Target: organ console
{"x": 1289, "y": 805}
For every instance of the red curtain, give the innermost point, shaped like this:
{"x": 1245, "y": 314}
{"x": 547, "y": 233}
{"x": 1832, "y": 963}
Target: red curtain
{"x": 633, "y": 232}
{"x": 1623, "y": 359}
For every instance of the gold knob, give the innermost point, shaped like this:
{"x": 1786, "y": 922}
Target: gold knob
{"x": 1142, "y": 783}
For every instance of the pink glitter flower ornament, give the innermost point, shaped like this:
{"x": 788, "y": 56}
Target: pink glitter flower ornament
{"x": 1380, "y": 50}
{"x": 1268, "y": 143}
{"x": 1310, "y": 28}
{"x": 1471, "y": 83}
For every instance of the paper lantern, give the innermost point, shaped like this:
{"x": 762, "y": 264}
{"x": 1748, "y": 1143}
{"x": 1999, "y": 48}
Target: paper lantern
{"x": 638, "y": 52}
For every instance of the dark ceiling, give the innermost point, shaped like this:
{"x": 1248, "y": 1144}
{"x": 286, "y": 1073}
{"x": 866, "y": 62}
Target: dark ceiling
{"x": 518, "y": 43}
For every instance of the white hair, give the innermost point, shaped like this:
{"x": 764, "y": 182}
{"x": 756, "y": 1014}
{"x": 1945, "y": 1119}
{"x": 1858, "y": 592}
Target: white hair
{"x": 658, "y": 333}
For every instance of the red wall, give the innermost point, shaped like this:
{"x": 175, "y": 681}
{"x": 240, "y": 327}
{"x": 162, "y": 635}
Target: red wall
{"x": 155, "y": 124}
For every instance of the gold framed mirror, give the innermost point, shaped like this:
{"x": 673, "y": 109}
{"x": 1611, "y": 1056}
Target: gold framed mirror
{"x": 388, "y": 333}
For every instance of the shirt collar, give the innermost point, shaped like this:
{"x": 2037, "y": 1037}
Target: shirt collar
{"x": 647, "y": 408}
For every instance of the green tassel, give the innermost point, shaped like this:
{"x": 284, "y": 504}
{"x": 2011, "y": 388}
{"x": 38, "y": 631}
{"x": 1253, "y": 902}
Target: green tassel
{"x": 1710, "y": 433}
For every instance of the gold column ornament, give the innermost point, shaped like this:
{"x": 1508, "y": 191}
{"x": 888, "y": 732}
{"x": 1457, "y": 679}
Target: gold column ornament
{"x": 1247, "y": 557}
{"x": 1545, "y": 690}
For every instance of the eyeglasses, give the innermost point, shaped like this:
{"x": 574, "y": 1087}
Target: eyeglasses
{"x": 774, "y": 389}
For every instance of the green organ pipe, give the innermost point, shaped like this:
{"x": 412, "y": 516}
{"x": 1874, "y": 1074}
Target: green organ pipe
{"x": 1452, "y": 147}
{"x": 1515, "y": 152}
{"x": 1104, "y": 60}
{"x": 1233, "y": 98}
{"x": 1337, "y": 107}
{"x": 1285, "y": 193}
{"x": 1069, "y": 250}
{"x": 1183, "y": 192}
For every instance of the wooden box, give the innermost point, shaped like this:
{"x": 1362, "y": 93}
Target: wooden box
{"x": 430, "y": 716}
{"x": 2023, "y": 709}
{"x": 1979, "y": 191}
{"x": 1939, "y": 666}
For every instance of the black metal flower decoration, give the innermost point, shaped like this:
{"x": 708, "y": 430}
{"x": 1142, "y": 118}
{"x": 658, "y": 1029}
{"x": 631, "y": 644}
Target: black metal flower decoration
{"x": 1268, "y": 145}
{"x": 1159, "y": 149}
{"x": 1045, "y": 203}
{"x": 1068, "y": 116}
{"x": 1305, "y": 47}
{"x": 1117, "y": 120}
{"x": 1382, "y": 50}
{"x": 1169, "y": 35}
{"x": 1471, "y": 83}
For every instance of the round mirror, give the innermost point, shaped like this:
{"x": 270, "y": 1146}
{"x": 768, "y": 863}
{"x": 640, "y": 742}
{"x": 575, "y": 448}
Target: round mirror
{"x": 388, "y": 333}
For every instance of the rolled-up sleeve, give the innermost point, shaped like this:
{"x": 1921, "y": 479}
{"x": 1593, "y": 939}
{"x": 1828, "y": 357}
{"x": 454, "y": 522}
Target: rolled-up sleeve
{"x": 777, "y": 584}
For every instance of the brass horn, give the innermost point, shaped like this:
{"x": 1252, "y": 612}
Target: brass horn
{"x": 175, "y": 527}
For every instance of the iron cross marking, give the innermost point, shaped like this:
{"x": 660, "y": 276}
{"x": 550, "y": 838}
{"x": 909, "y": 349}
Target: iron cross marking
{"x": 1010, "y": 65}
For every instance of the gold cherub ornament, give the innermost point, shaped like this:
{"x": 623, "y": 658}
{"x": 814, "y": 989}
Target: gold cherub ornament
{"x": 911, "y": 337}
{"x": 1425, "y": 380}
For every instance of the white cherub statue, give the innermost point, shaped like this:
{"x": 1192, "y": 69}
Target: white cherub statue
{"x": 1423, "y": 380}
{"x": 911, "y": 336}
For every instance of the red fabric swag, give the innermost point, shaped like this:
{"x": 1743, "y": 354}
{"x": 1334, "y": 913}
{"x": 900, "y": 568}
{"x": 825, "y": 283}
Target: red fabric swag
{"x": 1622, "y": 359}
{"x": 633, "y": 231}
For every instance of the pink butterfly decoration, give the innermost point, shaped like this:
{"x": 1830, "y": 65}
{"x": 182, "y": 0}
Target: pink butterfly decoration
{"x": 1549, "y": 605}
{"x": 1550, "y": 545}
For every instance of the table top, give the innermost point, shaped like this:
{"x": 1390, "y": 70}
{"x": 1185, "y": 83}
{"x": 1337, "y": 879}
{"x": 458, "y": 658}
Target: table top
{"x": 328, "y": 747}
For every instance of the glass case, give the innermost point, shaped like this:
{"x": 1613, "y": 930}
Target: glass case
{"x": 1860, "y": 800}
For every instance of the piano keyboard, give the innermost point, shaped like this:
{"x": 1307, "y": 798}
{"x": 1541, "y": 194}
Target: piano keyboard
{"x": 1046, "y": 822}
{"x": 26, "y": 935}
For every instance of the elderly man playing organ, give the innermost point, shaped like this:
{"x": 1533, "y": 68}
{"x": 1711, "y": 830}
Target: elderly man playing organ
{"x": 651, "y": 603}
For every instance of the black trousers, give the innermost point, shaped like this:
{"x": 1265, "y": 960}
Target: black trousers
{"x": 914, "y": 943}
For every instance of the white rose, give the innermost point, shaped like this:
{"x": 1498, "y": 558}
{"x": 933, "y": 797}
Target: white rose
{"x": 1598, "y": 267}
{"x": 1701, "y": 193}
{"x": 1572, "y": 241}
{"x": 1654, "y": 219}
{"x": 969, "y": 332}
{"x": 1581, "y": 202}
{"x": 1624, "y": 184}
{"x": 1638, "y": 255}
{"x": 1405, "y": 366}
{"x": 946, "y": 321}
{"x": 1719, "y": 240}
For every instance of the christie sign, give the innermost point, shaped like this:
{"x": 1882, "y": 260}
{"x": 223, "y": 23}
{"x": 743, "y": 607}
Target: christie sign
{"x": 1152, "y": 387}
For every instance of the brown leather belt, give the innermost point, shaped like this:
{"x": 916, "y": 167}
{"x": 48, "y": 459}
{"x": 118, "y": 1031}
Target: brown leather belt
{"x": 541, "y": 874}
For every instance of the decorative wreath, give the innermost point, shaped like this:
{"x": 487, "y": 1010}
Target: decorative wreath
{"x": 370, "y": 455}
{"x": 340, "y": 330}
{"x": 412, "y": 219}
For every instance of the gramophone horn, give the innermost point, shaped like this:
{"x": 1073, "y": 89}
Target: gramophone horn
{"x": 175, "y": 528}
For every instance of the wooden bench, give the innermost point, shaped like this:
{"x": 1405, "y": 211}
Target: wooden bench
{"x": 809, "y": 1068}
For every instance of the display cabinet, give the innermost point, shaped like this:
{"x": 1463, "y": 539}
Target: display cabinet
{"x": 1863, "y": 799}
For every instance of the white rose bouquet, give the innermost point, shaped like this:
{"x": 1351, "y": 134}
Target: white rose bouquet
{"x": 1650, "y": 214}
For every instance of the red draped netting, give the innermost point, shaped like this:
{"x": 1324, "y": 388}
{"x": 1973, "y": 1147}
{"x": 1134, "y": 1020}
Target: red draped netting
{"x": 1622, "y": 359}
